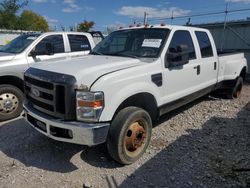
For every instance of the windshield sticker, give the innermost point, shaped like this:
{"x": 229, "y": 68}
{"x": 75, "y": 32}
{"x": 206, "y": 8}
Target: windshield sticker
{"x": 32, "y": 38}
{"x": 154, "y": 43}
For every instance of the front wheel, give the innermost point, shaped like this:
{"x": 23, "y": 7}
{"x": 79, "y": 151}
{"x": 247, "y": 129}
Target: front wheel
{"x": 11, "y": 101}
{"x": 129, "y": 135}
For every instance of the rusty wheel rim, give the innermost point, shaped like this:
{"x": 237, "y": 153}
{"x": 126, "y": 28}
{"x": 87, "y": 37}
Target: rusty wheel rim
{"x": 238, "y": 91}
{"x": 135, "y": 138}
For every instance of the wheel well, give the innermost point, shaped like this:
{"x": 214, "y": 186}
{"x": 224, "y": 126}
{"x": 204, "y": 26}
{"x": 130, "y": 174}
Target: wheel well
{"x": 12, "y": 80}
{"x": 145, "y": 101}
{"x": 243, "y": 73}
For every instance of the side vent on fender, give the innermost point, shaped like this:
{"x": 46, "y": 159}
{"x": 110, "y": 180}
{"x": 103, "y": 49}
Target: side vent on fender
{"x": 157, "y": 79}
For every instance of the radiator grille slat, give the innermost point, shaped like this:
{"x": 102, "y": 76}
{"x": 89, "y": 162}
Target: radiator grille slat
{"x": 51, "y": 93}
{"x": 42, "y": 96}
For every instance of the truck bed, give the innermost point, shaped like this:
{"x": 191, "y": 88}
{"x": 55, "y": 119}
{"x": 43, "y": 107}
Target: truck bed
{"x": 229, "y": 65}
{"x": 230, "y": 56}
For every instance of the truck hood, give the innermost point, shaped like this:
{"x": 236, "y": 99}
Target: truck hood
{"x": 6, "y": 57}
{"x": 89, "y": 68}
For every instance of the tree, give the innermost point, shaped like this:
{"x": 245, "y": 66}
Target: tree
{"x": 8, "y": 11}
{"x": 85, "y": 26}
{"x": 29, "y": 20}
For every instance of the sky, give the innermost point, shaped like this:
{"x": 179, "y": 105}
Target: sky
{"x": 122, "y": 13}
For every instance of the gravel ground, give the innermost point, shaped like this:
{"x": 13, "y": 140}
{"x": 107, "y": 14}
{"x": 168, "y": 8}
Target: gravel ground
{"x": 204, "y": 144}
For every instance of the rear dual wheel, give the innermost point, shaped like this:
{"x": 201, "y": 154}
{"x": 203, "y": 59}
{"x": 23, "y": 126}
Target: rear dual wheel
{"x": 129, "y": 135}
{"x": 235, "y": 92}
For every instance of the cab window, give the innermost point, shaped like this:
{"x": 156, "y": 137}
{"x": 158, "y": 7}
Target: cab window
{"x": 55, "y": 40}
{"x": 205, "y": 44}
{"x": 79, "y": 43}
{"x": 182, "y": 38}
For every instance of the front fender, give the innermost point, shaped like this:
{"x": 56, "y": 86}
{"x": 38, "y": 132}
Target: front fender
{"x": 113, "y": 99}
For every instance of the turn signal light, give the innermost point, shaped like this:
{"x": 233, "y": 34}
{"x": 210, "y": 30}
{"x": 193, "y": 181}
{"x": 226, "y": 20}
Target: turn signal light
{"x": 93, "y": 104}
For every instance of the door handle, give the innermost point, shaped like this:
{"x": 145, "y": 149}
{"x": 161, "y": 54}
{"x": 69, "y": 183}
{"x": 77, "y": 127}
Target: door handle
{"x": 215, "y": 65}
{"x": 198, "y": 68}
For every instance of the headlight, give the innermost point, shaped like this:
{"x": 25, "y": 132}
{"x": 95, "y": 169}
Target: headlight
{"x": 89, "y": 105}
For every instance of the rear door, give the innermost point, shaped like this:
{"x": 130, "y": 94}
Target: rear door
{"x": 208, "y": 59}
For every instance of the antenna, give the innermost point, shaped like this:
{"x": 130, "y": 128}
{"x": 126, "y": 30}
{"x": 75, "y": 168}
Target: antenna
{"x": 172, "y": 17}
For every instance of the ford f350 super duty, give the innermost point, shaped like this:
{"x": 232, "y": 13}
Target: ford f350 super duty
{"x": 29, "y": 49}
{"x": 130, "y": 79}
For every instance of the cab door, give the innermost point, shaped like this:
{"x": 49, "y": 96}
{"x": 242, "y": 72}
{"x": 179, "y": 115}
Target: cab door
{"x": 209, "y": 61}
{"x": 180, "y": 80}
{"x": 40, "y": 54}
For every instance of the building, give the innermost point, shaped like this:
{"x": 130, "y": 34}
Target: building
{"x": 8, "y": 35}
{"x": 231, "y": 36}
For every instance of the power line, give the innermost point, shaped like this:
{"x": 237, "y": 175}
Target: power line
{"x": 208, "y": 7}
{"x": 200, "y": 15}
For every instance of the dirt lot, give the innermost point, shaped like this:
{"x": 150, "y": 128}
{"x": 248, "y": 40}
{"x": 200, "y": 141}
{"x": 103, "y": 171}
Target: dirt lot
{"x": 204, "y": 144}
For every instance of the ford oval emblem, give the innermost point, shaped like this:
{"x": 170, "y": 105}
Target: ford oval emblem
{"x": 35, "y": 92}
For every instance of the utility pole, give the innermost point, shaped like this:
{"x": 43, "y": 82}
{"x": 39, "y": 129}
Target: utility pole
{"x": 145, "y": 18}
{"x": 76, "y": 27}
{"x": 224, "y": 28}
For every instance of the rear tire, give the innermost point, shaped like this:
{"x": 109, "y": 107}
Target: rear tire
{"x": 235, "y": 92}
{"x": 129, "y": 135}
{"x": 11, "y": 102}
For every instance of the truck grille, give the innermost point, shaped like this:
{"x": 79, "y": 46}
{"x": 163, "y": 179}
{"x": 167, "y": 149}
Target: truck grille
{"x": 51, "y": 93}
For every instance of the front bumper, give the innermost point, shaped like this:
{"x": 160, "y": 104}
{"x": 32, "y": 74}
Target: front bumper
{"x": 67, "y": 131}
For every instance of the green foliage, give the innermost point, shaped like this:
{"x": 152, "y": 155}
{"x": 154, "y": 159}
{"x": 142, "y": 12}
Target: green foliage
{"x": 8, "y": 10}
{"x": 31, "y": 21}
{"x": 28, "y": 20}
{"x": 85, "y": 26}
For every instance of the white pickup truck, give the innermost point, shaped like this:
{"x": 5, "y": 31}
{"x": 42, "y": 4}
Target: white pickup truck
{"x": 29, "y": 49}
{"x": 129, "y": 80}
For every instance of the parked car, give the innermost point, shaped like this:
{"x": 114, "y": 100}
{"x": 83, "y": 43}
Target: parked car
{"x": 133, "y": 77}
{"x": 29, "y": 49}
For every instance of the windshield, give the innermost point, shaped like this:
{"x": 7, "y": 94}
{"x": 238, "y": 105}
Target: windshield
{"x": 19, "y": 44}
{"x": 136, "y": 43}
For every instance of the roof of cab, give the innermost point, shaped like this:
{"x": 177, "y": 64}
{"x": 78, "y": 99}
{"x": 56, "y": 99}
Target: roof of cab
{"x": 162, "y": 26}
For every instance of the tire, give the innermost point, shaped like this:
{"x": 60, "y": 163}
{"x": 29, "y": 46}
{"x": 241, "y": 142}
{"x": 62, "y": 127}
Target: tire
{"x": 235, "y": 92}
{"x": 11, "y": 102}
{"x": 129, "y": 135}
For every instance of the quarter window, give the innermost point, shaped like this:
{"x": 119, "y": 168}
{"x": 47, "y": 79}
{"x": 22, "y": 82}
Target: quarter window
{"x": 78, "y": 43}
{"x": 205, "y": 44}
{"x": 182, "y": 38}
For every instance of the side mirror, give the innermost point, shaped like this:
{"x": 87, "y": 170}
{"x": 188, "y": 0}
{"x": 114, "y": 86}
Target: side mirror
{"x": 177, "y": 57}
{"x": 42, "y": 49}
{"x": 49, "y": 49}
{"x": 32, "y": 53}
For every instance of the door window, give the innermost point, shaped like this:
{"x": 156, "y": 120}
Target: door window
{"x": 55, "y": 40}
{"x": 79, "y": 43}
{"x": 182, "y": 38}
{"x": 205, "y": 44}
